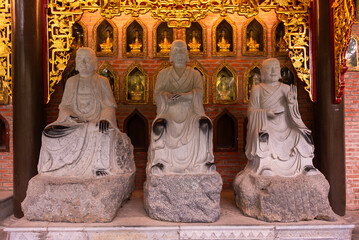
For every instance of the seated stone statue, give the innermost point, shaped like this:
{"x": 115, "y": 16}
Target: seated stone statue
{"x": 278, "y": 142}
{"x": 181, "y": 139}
{"x": 85, "y": 140}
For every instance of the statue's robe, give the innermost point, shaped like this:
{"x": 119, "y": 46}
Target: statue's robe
{"x": 183, "y": 147}
{"x": 77, "y": 148}
{"x": 281, "y": 144}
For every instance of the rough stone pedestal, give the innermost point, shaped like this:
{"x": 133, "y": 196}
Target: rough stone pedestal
{"x": 76, "y": 199}
{"x": 183, "y": 198}
{"x": 283, "y": 199}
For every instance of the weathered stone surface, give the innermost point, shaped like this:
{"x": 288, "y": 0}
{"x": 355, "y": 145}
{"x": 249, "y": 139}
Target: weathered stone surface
{"x": 183, "y": 198}
{"x": 283, "y": 199}
{"x": 75, "y": 199}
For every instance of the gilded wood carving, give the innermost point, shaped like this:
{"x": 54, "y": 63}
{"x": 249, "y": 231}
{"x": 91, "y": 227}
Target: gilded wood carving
{"x": 5, "y": 52}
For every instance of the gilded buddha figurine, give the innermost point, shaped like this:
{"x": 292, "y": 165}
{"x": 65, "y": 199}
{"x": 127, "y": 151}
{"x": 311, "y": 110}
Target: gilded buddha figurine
{"x": 224, "y": 89}
{"x": 281, "y": 45}
{"x": 165, "y": 43}
{"x": 106, "y": 46}
{"x": 223, "y": 44}
{"x": 252, "y": 44}
{"x": 136, "y": 44}
{"x": 137, "y": 89}
{"x": 194, "y": 45}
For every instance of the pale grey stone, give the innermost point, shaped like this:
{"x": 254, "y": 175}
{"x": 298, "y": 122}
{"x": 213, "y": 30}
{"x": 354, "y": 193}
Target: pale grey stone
{"x": 283, "y": 199}
{"x": 183, "y": 198}
{"x": 59, "y": 199}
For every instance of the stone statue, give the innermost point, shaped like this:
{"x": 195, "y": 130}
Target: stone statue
{"x": 252, "y": 44}
{"x": 279, "y": 182}
{"x": 106, "y": 46}
{"x": 194, "y": 44}
{"x": 84, "y": 140}
{"x": 136, "y": 44}
{"x": 278, "y": 142}
{"x": 182, "y": 184}
{"x": 181, "y": 123}
{"x": 165, "y": 43}
{"x": 86, "y": 165}
{"x": 223, "y": 43}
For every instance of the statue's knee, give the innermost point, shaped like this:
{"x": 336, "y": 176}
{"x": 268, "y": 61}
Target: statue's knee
{"x": 205, "y": 124}
{"x": 159, "y": 126}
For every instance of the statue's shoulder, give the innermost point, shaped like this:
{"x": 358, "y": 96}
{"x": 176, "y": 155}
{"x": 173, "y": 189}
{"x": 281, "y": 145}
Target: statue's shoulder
{"x": 72, "y": 80}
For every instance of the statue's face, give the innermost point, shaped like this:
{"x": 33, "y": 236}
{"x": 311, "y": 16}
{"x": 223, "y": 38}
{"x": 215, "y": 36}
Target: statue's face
{"x": 270, "y": 71}
{"x": 179, "y": 55}
{"x": 85, "y": 62}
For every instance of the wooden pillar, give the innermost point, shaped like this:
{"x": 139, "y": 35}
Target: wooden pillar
{"x": 27, "y": 94}
{"x": 329, "y": 117}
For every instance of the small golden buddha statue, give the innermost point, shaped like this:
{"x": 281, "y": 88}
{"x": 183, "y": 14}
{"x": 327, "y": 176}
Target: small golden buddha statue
{"x": 281, "y": 45}
{"x": 194, "y": 45}
{"x": 223, "y": 89}
{"x": 136, "y": 45}
{"x": 106, "y": 46}
{"x": 137, "y": 90}
{"x": 252, "y": 44}
{"x": 223, "y": 44}
{"x": 165, "y": 43}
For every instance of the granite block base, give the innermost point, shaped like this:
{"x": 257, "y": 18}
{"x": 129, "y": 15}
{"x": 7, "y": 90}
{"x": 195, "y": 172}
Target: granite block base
{"x": 283, "y": 199}
{"x": 183, "y": 198}
{"x": 74, "y": 199}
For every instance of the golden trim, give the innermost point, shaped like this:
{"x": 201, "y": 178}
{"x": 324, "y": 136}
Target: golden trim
{"x": 5, "y": 52}
{"x": 198, "y": 65}
{"x": 163, "y": 65}
{"x": 126, "y": 76}
{"x": 62, "y": 14}
{"x": 224, "y": 64}
{"x": 116, "y": 80}
{"x": 154, "y": 41}
{"x": 245, "y": 52}
{"x": 246, "y": 82}
{"x": 343, "y": 19}
{"x": 114, "y": 51}
{"x": 204, "y": 41}
{"x": 143, "y": 53}
{"x": 276, "y": 53}
{"x": 232, "y": 53}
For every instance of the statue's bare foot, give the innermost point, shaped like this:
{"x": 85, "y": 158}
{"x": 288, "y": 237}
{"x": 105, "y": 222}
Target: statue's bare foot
{"x": 101, "y": 173}
{"x": 310, "y": 170}
{"x": 157, "y": 169}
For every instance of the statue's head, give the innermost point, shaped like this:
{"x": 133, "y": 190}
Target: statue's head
{"x": 86, "y": 61}
{"x": 270, "y": 71}
{"x": 179, "y": 53}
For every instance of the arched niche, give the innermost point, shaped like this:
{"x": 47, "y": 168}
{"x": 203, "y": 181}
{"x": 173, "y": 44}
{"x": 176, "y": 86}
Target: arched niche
{"x": 136, "y": 127}
{"x": 352, "y": 54}
{"x": 225, "y": 135}
{"x": 162, "y": 37}
{"x": 105, "y": 38}
{"x": 251, "y": 78}
{"x": 224, "y": 38}
{"x": 163, "y": 65}
{"x": 288, "y": 74}
{"x": 196, "y": 39}
{"x": 254, "y": 37}
{"x": 279, "y": 46}
{"x": 4, "y": 135}
{"x": 110, "y": 73}
{"x": 136, "y": 85}
{"x": 225, "y": 85}
{"x": 134, "y": 38}
{"x": 79, "y": 33}
{"x": 197, "y": 66}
